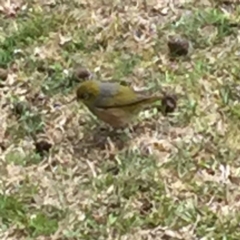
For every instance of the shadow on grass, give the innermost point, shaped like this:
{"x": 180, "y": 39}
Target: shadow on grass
{"x": 102, "y": 138}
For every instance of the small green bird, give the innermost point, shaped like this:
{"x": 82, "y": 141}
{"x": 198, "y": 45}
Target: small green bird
{"x": 112, "y": 102}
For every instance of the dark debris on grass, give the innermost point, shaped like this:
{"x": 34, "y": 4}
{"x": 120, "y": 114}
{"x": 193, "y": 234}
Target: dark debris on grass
{"x": 174, "y": 175}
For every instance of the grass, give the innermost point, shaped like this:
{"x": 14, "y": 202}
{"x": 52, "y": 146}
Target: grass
{"x": 174, "y": 177}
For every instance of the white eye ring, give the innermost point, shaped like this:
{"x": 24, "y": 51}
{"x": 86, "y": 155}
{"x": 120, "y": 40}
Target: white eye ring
{"x": 85, "y": 96}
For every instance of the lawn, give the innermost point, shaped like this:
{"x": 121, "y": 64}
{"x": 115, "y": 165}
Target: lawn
{"x": 172, "y": 176}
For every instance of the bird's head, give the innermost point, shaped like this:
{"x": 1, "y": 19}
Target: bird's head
{"x": 88, "y": 92}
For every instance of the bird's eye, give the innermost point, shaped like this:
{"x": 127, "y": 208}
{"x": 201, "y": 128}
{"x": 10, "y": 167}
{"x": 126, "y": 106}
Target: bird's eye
{"x": 85, "y": 96}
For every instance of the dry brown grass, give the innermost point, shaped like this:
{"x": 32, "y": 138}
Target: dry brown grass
{"x": 174, "y": 177}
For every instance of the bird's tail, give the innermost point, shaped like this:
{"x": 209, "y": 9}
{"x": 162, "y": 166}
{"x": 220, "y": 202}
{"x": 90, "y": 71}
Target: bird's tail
{"x": 151, "y": 99}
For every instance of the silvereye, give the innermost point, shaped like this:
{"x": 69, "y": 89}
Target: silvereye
{"x": 112, "y": 102}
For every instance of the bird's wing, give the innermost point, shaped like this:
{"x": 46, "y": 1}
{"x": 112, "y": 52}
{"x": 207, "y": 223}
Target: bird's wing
{"x": 121, "y": 97}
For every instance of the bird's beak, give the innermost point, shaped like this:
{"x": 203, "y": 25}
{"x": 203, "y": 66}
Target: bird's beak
{"x": 72, "y": 100}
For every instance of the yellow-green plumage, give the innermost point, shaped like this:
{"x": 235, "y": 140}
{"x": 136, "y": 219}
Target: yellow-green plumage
{"x": 114, "y": 103}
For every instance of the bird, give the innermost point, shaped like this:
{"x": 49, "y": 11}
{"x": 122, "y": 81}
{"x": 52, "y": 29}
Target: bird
{"x": 112, "y": 102}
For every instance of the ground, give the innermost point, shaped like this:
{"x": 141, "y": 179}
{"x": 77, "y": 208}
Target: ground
{"x": 64, "y": 176}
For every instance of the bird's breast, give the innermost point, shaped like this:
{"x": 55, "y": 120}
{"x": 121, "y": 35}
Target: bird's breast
{"x": 113, "y": 116}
